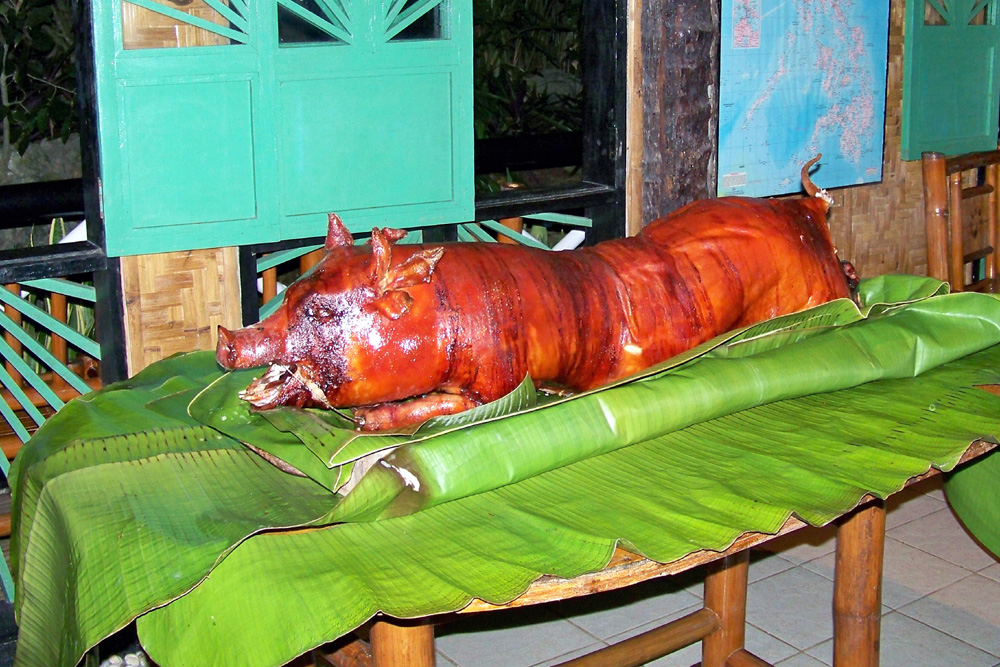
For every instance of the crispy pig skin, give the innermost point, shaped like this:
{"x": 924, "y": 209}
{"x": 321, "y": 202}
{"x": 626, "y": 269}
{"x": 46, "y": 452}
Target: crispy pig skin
{"x": 405, "y": 332}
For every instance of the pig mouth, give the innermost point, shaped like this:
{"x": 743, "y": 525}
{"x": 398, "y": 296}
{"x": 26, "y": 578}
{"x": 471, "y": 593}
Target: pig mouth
{"x": 285, "y": 384}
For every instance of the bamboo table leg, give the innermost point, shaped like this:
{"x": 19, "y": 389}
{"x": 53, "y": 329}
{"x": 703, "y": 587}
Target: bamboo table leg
{"x": 397, "y": 643}
{"x": 726, "y": 595}
{"x": 857, "y": 594}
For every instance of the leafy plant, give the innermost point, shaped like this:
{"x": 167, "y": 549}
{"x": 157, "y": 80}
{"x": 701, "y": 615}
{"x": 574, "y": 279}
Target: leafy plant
{"x": 37, "y": 74}
{"x": 527, "y": 67}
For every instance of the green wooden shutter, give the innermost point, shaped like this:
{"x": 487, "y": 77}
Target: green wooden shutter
{"x": 287, "y": 110}
{"x": 951, "y": 100}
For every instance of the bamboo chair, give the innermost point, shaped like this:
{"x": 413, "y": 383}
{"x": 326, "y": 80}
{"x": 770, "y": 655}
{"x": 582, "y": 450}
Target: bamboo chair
{"x": 945, "y": 190}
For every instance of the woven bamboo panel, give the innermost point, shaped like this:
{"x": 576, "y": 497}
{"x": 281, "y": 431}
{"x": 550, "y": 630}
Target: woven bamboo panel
{"x": 175, "y": 301}
{"x": 145, "y": 29}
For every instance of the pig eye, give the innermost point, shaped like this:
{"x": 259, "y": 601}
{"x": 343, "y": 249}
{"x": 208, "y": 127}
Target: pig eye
{"x": 319, "y": 312}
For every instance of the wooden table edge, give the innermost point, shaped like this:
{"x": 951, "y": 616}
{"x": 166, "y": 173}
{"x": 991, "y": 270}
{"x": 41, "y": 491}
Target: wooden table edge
{"x": 627, "y": 568}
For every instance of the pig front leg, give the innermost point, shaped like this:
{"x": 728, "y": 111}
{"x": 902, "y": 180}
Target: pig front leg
{"x": 388, "y": 416}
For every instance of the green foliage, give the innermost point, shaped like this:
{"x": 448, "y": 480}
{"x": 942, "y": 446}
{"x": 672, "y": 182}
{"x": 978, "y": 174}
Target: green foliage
{"x": 37, "y": 73}
{"x": 527, "y": 67}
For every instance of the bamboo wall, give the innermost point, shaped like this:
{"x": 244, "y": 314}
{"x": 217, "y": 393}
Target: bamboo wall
{"x": 175, "y": 301}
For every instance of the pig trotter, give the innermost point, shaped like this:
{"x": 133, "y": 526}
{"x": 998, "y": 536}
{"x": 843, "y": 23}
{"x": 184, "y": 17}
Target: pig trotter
{"x": 852, "y": 276}
{"x": 408, "y": 413}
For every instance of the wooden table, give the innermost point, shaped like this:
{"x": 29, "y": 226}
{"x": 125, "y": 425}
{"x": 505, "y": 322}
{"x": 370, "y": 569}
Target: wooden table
{"x": 719, "y": 625}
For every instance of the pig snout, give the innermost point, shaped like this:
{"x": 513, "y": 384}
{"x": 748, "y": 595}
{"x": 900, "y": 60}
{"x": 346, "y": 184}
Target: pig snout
{"x": 247, "y": 347}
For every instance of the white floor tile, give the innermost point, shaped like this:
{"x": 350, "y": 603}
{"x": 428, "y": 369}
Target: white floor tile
{"x": 793, "y": 606}
{"x": 511, "y": 638}
{"x": 767, "y": 646}
{"x": 800, "y": 660}
{"x": 910, "y": 504}
{"x": 942, "y": 535}
{"x": 968, "y": 610}
{"x": 605, "y": 615}
{"x": 991, "y": 571}
{"x": 441, "y": 660}
{"x": 907, "y": 642}
{"x": 582, "y": 651}
{"x": 804, "y": 545}
{"x": 908, "y": 573}
{"x": 764, "y": 564}
{"x": 822, "y": 652}
{"x": 689, "y": 656}
{"x": 932, "y": 488}
{"x": 683, "y": 658}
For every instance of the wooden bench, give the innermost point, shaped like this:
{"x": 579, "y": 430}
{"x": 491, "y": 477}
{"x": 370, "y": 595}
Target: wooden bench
{"x": 719, "y": 625}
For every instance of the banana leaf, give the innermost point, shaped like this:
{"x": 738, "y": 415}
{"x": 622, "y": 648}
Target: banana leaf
{"x": 143, "y": 542}
{"x": 118, "y": 508}
{"x": 279, "y": 594}
{"x": 972, "y": 493}
{"x": 902, "y": 342}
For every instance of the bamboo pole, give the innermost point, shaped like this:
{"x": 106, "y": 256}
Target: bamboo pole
{"x": 857, "y": 594}
{"x": 513, "y": 224}
{"x": 397, "y": 643}
{"x": 269, "y": 289}
{"x": 652, "y": 644}
{"x": 935, "y": 215}
{"x": 726, "y": 595}
{"x": 59, "y": 309}
{"x": 310, "y": 260}
{"x": 956, "y": 262}
{"x": 993, "y": 263}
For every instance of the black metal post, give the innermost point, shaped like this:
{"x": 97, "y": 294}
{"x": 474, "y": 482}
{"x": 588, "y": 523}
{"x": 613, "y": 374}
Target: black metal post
{"x": 249, "y": 300}
{"x": 603, "y": 42}
{"x": 109, "y": 316}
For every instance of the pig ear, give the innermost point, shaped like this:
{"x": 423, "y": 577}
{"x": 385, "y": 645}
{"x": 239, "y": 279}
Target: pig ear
{"x": 394, "y": 304}
{"x": 415, "y": 270}
{"x": 382, "y": 240}
{"x": 336, "y": 233}
{"x": 381, "y": 256}
{"x": 394, "y": 234}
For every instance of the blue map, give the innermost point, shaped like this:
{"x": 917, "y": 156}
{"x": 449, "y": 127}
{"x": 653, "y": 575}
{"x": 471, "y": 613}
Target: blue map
{"x": 801, "y": 77}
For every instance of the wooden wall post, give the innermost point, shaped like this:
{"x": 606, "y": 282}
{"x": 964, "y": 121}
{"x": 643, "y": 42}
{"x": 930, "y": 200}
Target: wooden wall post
{"x": 678, "y": 55}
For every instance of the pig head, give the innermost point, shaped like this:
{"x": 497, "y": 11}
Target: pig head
{"x": 360, "y": 329}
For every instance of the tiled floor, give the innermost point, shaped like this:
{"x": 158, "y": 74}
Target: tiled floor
{"x": 941, "y": 604}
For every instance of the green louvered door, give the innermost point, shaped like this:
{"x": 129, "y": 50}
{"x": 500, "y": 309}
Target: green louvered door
{"x": 228, "y": 122}
{"x": 361, "y": 90}
{"x": 951, "y": 97}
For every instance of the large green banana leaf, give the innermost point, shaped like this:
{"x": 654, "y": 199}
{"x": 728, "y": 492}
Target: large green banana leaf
{"x": 118, "y": 508}
{"x": 972, "y": 492}
{"x": 698, "y": 488}
{"x": 131, "y": 526}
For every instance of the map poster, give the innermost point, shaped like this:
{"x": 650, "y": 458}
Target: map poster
{"x": 801, "y": 77}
